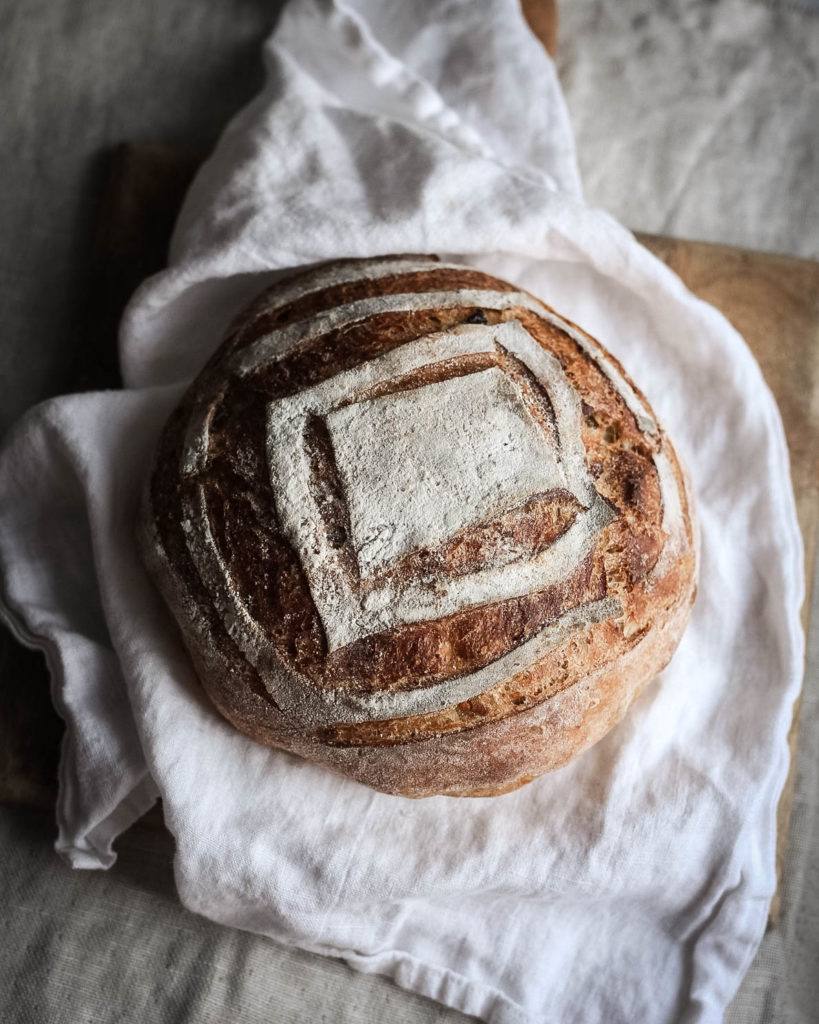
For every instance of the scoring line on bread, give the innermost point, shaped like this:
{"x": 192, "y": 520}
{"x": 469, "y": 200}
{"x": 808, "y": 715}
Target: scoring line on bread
{"x": 418, "y": 527}
{"x": 275, "y": 344}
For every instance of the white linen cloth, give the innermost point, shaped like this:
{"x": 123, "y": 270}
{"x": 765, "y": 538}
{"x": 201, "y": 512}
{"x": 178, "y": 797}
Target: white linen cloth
{"x": 632, "y": 885}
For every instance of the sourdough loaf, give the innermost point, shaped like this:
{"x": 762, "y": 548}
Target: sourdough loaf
{"x": 415, "y": 526}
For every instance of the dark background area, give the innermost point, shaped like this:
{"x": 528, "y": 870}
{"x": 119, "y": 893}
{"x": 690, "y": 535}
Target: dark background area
{"x": 81, "y": 79}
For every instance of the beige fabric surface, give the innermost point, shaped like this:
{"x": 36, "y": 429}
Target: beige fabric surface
{"x": 700, "y": 119}
{"x": 105, "y": 947}
{"x": 695, "y": 119}
{"x": 782, "y": 986}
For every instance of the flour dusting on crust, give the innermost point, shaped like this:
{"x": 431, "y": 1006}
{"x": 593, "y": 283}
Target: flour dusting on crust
{"x": 474, "y": 520}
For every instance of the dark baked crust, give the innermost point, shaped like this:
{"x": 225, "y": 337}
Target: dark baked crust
{"x": 521, "y": 725}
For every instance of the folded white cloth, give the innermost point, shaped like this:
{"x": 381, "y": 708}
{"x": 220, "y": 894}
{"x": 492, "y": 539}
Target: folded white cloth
{"x": 632, "y": 885}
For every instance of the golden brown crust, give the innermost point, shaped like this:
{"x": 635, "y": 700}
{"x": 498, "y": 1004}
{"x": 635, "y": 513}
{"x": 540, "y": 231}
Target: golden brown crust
{"x": 518, "y": 725}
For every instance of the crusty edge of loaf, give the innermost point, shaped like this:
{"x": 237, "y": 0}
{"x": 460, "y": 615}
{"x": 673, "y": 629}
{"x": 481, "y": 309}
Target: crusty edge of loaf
{"x": 485, "y": 760}
{"x": 481, "y": 760}
{"x": 503, "y": 755}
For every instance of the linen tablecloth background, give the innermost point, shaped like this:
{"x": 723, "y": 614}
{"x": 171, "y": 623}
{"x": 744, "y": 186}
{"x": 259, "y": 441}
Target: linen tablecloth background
{"x": 211, "y": 995}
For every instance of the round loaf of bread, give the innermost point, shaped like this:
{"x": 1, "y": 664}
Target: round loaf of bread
{"x": 416, "y": 527}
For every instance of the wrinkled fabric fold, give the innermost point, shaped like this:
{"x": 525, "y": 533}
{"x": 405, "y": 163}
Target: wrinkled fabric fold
{"x": 634, "y": 883}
